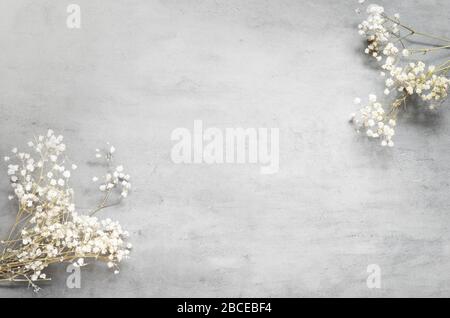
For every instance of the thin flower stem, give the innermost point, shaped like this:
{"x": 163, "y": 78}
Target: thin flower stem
{"x": 430, "y": 49}
{"x": 410, "y": 29}
{"x": 103, "y": 204}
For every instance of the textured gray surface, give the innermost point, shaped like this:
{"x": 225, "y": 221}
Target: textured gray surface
{"x": 138, "y": 69}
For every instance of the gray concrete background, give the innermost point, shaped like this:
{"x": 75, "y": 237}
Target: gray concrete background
{"x": 138, "y": 69}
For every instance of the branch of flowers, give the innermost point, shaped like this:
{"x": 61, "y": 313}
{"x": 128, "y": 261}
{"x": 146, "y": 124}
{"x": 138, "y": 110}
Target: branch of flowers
{"x": 444, "y": 67}
{"x": 430, "y": 83}
{"x": 68, "y": 256}
{"x": 433, "y": 47}
{"x": 426, "y": 50}
{"x": 21, "y": 210}
{"x": 400, "y": 38}
{"x": 103, "y": 204}
{"x": 393, "y": 112}
{"x": 13, "y": 228}
{"x": 47, "y": 229}
{"x": 7, "y": 280}
{"x": 410, "y": 29}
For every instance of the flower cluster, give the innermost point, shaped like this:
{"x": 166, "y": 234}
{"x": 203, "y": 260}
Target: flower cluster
{"x": 377, "y": 30}
{"x": 115, "y": 178}
{"x": 373, "y": 120}
{"x": 48, "y": 229}
{"x": 416, "y": 78}
{"x": 402, "y": 77}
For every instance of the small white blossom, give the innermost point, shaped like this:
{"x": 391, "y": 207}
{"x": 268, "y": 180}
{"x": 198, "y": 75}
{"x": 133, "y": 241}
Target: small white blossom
{"x": 372, "y": 118}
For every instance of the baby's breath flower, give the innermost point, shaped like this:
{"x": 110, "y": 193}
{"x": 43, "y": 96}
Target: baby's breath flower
{"x": 373, "y": 120}
{"x": 403, "y": 78}
{"x": 55, "y": 232}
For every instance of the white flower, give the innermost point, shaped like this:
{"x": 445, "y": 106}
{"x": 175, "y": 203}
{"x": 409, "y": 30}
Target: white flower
{"x": 375, "y": 9}
{"x": 389, "y": 82}
{"x": 374, "y": 120}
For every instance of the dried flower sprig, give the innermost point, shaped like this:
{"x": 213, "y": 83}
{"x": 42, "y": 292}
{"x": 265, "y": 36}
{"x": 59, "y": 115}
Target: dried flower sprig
{"x": 403, "y": 76}
{"x": 47, "y": 228}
